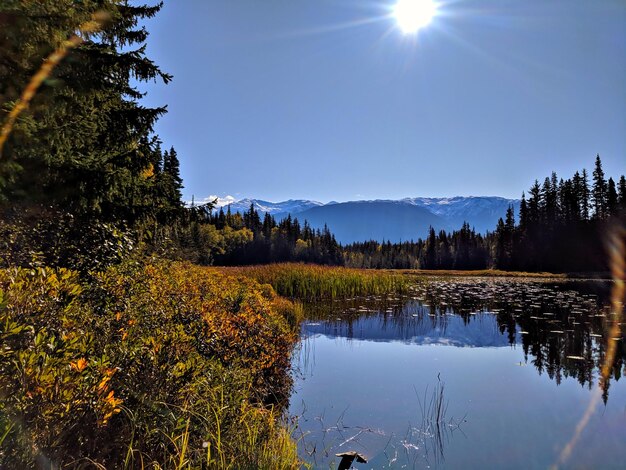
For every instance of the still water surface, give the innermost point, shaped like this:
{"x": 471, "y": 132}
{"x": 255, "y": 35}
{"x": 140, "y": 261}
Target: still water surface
{"x": 517, "y": 360}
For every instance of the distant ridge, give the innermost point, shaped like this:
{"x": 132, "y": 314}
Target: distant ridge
{"x": 384, "y": 219}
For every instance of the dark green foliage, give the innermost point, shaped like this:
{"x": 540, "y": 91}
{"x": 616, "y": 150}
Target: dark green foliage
{"x": 622, "y": 193}
{"x": 611, "y": 197}
{"x": 31, "y": 236}
{"x": 85, "y": 145}
{"x": 372, "y": 254}
{"x": 460, "y": 249}
{"x": 430, "y": 259}
{"x": 583, "y": 191}
{"x": 84, "y": 152}
{"x": 556, "y": 232}
{"x": 504, "y": 241}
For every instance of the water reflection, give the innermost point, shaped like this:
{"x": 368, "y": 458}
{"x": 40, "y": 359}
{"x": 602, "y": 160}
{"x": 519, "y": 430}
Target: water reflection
{"x": 561, "y": 326}
{"x": 413, "y": 324}
{"x": 366, "y": 365}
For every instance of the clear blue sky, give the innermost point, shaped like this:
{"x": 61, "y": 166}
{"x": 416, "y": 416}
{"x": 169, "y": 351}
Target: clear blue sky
{"x": 328, "y": 100}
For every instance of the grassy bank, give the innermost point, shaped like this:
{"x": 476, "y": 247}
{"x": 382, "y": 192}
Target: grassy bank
{"x": 312, "y": 282}
{"x": 158, "y": 365}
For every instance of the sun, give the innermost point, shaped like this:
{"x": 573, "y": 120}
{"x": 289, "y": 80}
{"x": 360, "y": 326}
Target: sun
{"x": 412, "y": 15}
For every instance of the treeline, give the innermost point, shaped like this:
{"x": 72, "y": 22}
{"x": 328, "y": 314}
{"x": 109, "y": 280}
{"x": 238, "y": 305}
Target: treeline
{"x": 224, "y": 238}
{"x": 561, "y": 227}
{"x": 461, "y": 249}
{"x": 230, "y": 239}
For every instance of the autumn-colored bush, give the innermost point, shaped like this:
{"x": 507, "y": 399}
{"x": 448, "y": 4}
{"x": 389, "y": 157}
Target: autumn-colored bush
{"x": 312, "y": 282}
{"x": 156, "y": 364}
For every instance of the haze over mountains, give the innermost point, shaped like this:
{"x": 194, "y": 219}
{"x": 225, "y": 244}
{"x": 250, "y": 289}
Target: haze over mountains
{"x": 382, "y": 220}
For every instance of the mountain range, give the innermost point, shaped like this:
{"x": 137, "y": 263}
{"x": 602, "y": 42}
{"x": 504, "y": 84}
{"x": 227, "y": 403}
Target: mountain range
{"x": 381, "y": 219}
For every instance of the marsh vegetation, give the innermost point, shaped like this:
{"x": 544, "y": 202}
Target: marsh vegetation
{"x": 158, "y": 365}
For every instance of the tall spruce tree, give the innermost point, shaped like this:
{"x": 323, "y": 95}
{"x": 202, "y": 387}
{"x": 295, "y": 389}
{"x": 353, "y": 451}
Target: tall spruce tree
{"x": 534, "y": 204}
{"x": 523, "y": 213}
{"x": 85, "y": 144}
{"x": 549, "y": 197}
{"x": 576, "y": 196}
{"x": 622, "y": 192}
{"x": 585, "y": 195}
{"x": 599, "y": 191}
{"x": 500, "y": 257}
{"x": 430, "y": 256}
{"x": 170, "y": 186}
{"x": 612, "y": 199}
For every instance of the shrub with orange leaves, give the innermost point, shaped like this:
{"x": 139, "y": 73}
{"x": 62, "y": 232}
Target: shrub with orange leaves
{"x": 49, "y": 368}
{"x": 89, "y": 372}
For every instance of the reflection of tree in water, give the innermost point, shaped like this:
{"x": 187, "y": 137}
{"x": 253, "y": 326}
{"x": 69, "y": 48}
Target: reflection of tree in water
{"x": 561, "y": 325}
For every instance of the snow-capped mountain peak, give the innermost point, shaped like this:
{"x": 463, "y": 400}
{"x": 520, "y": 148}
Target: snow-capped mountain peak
{"x": 291, "y": 206}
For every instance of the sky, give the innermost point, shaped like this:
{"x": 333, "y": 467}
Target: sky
{"x": 330, "y": 100}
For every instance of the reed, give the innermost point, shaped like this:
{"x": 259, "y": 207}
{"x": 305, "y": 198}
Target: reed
{"x": 312, "y": 282}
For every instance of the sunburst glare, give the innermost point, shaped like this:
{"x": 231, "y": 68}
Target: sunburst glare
{"x": 412, "y": 15}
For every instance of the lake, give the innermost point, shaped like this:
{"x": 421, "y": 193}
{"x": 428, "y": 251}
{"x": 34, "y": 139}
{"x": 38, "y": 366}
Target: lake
{"x": 461, "y": 373}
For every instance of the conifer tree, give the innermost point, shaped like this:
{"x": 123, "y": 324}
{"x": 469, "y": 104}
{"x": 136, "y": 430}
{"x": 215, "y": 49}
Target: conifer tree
{"x": 170, "y": 188}
{"x": 534, "y": 204}
{"x": 585, "y": 195}
{"x": 549, "y": 197}
{"x": 85, "y": 144}
{"x": 612, "y": 202}
{"x": 221, "y": 219}
{"x": 268, "y": 225}
{"x": 576, "y": 195}
{"x": 622, "y": 192}
{"x": 599, "y": 191}
{"x": 430, "y": 258}
{"x": 500, "y": 256}
{"x": 569, "y": 204}
{"x": 445, "y": 255}
{"x": 229, "y": 217}
{"x": 523, "y": 213}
